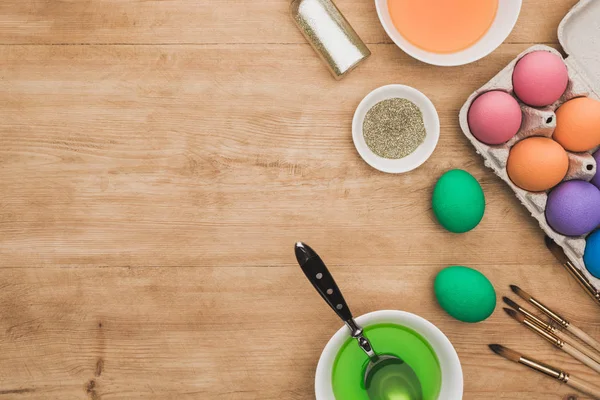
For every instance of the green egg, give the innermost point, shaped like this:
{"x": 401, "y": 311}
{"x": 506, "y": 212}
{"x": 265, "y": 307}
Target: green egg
{"x": 464, "y": 293}
{"x": 458, "y": 201}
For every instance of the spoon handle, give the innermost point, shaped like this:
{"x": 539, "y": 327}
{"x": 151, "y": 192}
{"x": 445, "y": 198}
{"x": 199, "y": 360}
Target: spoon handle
{"x": 317, "y": 273}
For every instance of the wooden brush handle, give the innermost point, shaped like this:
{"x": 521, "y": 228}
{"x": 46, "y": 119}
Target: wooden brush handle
{"x": 584, "y": 337}
{"x": 584, "y": 387}
{"x": 578, "y": 345}
{"x": 578, "y": 355}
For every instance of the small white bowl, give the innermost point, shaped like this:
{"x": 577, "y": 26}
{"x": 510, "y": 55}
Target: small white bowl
{"x": 430, "y": 119}
{"x": 452, "y": 376}
{"x": 506, "y": 18}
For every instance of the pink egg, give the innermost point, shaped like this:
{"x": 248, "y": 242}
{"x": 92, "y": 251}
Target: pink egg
{"x": 494, "y": 117}
{"x": 540, "y": 78}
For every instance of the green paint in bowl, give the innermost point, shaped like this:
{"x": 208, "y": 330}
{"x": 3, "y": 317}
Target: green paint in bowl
{"x": 397, "y": 340}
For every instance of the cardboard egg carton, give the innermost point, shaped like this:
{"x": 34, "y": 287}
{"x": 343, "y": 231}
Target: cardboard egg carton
{"x": 579, "y": 35}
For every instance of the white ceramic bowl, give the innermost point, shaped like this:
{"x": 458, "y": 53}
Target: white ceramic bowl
{"x": 421, "y": 154}
{"x": 452, "y": 377}
{"x": 506, "y": 18}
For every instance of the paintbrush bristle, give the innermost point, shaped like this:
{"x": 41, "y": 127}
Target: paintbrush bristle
{"x": 510, "y": 303}
{"x": 519, "y": 316}
{"x": 556, "y": 250}
{"x": 520, "y": 292}
{"x": 505, "y": 352}
{"x": 512, "y": 313}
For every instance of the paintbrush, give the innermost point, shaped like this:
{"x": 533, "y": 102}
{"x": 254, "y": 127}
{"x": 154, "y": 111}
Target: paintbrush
{"x": 562, "y": 376}
{"x": 548, "y": 327}
{"x": 572, "y": 329}
{"x": 574, "y": 271}
{"x": 561, "y": 344}
{"x": 528, "y": 313}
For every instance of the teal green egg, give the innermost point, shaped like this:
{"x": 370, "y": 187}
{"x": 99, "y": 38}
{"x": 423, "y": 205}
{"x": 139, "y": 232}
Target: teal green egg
{"x": 464, "y": 293}
{"x": 458, "y": 201}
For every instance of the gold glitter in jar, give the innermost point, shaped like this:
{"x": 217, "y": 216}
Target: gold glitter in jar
{"x": 330, "y": 34}
{"x": 394, "y": 128}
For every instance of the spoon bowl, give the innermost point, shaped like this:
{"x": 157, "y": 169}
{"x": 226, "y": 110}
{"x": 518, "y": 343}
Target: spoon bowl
{"x": 390, "y": 378}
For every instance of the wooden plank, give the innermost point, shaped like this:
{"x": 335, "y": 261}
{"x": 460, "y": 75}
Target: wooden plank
{"x": 152, "y": 185}
{"x": 187, "y": 155}
{"x": 207, "y": 21}
{"x": 242, "y": 333}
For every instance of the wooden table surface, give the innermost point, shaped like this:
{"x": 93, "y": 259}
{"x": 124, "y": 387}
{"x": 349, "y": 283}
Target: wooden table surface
{"x": 158, "y": 160}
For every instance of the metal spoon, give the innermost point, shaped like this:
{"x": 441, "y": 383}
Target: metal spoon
{"x": 386, "y": 377}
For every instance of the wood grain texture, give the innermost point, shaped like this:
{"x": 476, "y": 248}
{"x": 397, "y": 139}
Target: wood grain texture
{"x": 209, "y": 22}
{"x": 158, "y": 159}
{"x": 241, "y": 333}
{"x": 179, "y": 155}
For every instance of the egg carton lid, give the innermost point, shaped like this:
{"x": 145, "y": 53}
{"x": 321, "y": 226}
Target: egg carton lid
{"x": 579, "y": 36}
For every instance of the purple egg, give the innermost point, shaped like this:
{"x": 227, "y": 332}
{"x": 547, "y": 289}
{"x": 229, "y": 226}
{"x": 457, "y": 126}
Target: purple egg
{"x": 596, "y": 180}
{"x": 573, "y": 208}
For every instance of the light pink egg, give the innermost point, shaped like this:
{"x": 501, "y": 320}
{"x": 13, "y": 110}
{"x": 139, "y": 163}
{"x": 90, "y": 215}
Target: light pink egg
{"x": 494, "y": 117}
{"x": 540, "y": 78}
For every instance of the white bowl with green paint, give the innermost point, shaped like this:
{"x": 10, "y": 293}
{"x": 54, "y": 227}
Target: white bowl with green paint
{"x": 451, "y": 382}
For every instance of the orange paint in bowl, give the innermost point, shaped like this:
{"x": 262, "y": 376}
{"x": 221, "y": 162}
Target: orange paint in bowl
{"x": 443, "y": 26}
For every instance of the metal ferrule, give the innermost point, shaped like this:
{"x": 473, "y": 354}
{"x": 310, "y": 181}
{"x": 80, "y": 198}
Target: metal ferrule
{"x": 560, "y": 320}
{"x": 543, "y": 333}
{"x": 537, "y": 321}
{"x": 547, "y": 326}
{"x": 545, "y": 369}
{"x": 583, "y": 281}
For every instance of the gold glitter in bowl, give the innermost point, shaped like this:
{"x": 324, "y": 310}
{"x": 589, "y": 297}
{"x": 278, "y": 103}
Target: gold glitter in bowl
{"x": 406, "y": 96}
{"x": 394, "y": 128}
